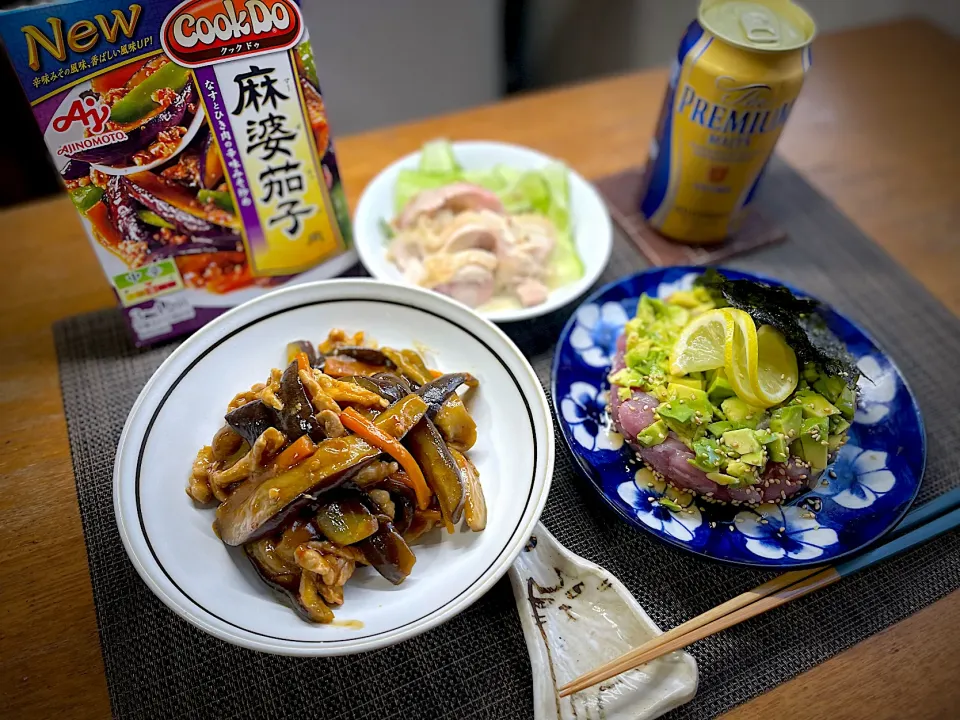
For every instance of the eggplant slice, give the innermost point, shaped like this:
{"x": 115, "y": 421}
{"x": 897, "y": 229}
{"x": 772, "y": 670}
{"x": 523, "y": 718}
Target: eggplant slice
{"x": 263, "y": 503}
{"x": 250, "y": 420}
{"x": 297, "y": 415}
{"x": 140, "y": 137}
{"x": 388, "y": 552}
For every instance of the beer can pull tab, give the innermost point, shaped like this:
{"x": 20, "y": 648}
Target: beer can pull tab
{"x": 760, "y": 26}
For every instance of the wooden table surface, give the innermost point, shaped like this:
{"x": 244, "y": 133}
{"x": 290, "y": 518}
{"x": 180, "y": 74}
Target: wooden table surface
{"x": 875, "y": 130}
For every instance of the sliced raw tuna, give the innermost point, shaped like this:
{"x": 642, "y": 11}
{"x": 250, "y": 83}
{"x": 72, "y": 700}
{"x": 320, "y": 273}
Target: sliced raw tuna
{"x": 671, "y": 457}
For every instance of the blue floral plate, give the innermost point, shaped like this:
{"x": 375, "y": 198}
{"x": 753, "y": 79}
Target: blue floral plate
{"x": 861, "y": 496}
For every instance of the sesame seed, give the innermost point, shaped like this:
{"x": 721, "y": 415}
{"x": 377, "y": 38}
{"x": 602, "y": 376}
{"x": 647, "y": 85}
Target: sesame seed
{"x": 730, "y": 527}
{"x": 825, "y": 483}
{"x": 782, "y": 530}
{"x": 763, "y": 521}
{"x": 832, "y": 474}
{"x": 713, "y": 524}
{"x": 651, "y": 499}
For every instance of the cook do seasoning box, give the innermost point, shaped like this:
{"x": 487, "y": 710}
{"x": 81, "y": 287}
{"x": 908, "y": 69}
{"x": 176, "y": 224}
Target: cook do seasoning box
{"x": 193, "y": 141}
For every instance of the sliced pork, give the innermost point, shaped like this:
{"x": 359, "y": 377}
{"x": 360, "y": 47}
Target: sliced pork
{"x": 456, "y": 197}
{"x": 458, "y": 241}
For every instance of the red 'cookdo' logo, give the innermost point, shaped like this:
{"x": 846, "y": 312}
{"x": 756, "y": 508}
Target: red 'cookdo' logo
{"x": 204, "y": 32}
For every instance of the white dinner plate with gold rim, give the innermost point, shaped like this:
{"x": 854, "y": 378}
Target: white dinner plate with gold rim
{"x": 170, "y": 540}
{"x": 592, "y": 229}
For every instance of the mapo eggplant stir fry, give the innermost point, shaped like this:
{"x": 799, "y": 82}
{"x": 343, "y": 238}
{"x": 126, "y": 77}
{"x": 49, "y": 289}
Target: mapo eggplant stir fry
{"x": 344, "y": 458}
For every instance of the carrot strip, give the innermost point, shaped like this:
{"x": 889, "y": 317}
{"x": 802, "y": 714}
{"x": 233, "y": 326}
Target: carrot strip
{"x": 303, "y": 362}
{"x": 98, "y": 217}
{"x": 115, "y": 78}
{"x": 358, "y": 424}
{"x": 298, "y": 451}
{"x": 435, "y": 374}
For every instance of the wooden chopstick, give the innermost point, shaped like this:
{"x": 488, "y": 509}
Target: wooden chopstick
{"x": 630, "y": 660}
{"x": 603, "y": 672}
{"x": 917, "y": 527}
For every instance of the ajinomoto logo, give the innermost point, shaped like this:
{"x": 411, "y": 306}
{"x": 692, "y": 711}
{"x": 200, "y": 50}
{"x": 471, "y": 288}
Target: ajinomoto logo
{"x": 203, "y": 32}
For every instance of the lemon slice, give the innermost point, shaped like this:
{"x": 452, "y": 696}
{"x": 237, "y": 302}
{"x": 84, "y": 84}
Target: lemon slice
{"x": 777, "y": 374}
{"x": 701, "y": 345}
{"x": 740, "y": 357}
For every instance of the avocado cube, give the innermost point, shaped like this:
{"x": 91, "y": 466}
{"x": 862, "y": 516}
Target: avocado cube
{"x": 723, "y": 478}
{"x": 676, "y": 315}
{"x": 677, "y": 411}
{"x": 776, "y": 445}
{"x": 787, "y": 421}
{"x": 757, "y": 459}
{"x": 814, "y": 405}
{"x": 846, "y": 403}
{"x": 638, "y": 352}
{"x": 765, "y": 437}
{"x": 814, "y": 436}
{"x": 653, "y": 434}
{"x": 689, "y": 405}
{"x": 838, "y": 424}
{"x": 719, "y": 388}
{"x": 741, "y": 412}
{"x": 628, "y": 377}
{"x": 778, "y": 449}
{"x": 719, "y": 428}
{"x": 835, "y": 442}
{"x": 681, "y": 416}
{"x": 742, "y": 441}
{"x": 674, "y": 383}
{"x": 686, "y": 388}
{"x": 647, "y": 310}
{"x": 796, "y": 449}
{"x": 742, "y": 471}
{"x": 685, "y": 298}
{"x": 829, "y": 386}
{"x": 708, "y": 455}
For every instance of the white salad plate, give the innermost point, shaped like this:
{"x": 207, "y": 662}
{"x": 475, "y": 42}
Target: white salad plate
{"x": 592, "y": 229}
{"x": 170, "y": 539}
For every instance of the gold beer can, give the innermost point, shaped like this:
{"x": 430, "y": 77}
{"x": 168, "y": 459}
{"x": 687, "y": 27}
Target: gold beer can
{"x": 735, "y": 79}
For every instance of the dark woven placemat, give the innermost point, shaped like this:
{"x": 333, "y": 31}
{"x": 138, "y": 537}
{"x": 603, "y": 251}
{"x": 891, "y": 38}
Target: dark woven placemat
{"x": 476, "y": 665}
